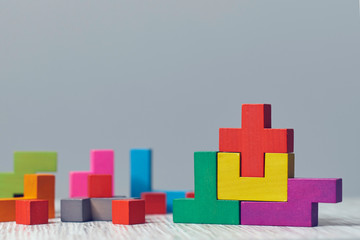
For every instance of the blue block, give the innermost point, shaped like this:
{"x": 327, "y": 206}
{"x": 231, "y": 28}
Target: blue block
{"x": 170, "y": 196}
{"x": 140, "y": 171}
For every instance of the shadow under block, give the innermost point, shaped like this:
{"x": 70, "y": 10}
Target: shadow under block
{"x": 255, "y": 138}
{"x": 301, "y": 210}
{"x": 128, "y": 211}
{"x": 205, "y": 208}
{"x": 25, "y": 163}
{"x": 140, "y": 171}
{"x": 155, "y": 202}
{"x": 273, "y": 187}
{"x": 76, "y": 210}
{"x": 101, "y": 208}
{"x": 41, "y": 186}
{"x": 101, "y": 162}
{"x": 31, "y": 212}
{"x": 99, "y": 185}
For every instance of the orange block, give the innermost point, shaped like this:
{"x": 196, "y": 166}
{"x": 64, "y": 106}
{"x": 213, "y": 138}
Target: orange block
{"x": 7, "y": 209}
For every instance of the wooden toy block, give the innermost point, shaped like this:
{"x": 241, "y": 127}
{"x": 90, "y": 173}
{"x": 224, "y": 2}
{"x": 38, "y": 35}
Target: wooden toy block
{"x": 41, "y": 186}
{"x": 155, "y": 202}
{"x": 25, "y": 163}
{"x": 99, "y": 185}
{"x": 205, "y": 208}
{"x": 31, "y": 212}
{"x": 255, "y": 138}
{"x": 272, "y": 187}
{"x": 7, "y": 210}
{"x": 128, "y": 211}
{"x": 140, "y": 171}
{"x": 170, "y": 196}
{"x": 190, "y": 195}
{"x": 101, "y": 162}
{"x": 101, "y": 208}
{"x": 300, "y": 210}
{"x": 76, "y": 210}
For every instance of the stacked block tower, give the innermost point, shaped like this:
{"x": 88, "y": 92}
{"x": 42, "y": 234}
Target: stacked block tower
{"x": 251, "y": 180}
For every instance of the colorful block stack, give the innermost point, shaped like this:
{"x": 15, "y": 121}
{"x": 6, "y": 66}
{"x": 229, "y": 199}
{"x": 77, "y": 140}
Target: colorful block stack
{"x": 251, "y": 180}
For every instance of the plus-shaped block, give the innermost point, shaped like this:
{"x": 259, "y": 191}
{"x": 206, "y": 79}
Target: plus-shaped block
{"x": 255, "y": 138}
{"x": 301, "y": 209}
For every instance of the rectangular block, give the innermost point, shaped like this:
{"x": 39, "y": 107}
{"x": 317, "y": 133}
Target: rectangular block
{"x": 155, "y": 202}
{"x": 170, "y": 196}
{"x": 102, "y": 162}
{"x": 76, "y": 210}
{"x": 11, "y": 183}
{"x": 140, "y": 171}
{"x": 34, "y": 162}
{"x": 100, "y": 185}
{"x": 7, "y": 210}
{"x": 128, "y": 211}
{"x": 31, "y": 212}
{"x": 78, "y": 184}
{"x": 101, "y": 208}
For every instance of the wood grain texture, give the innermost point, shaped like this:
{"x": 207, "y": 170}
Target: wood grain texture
{"x": 340, "y": 221}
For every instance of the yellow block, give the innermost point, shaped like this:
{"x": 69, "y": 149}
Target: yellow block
{"x": 273, "y": 187}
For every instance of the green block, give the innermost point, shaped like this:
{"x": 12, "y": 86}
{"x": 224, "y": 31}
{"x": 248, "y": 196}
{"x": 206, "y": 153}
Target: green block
{"x": 205, "y": 208}
{"x": 25, "y": 163}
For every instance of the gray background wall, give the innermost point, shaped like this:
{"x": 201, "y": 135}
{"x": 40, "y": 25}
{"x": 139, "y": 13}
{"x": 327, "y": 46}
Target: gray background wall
{"x": 78, "y": 75}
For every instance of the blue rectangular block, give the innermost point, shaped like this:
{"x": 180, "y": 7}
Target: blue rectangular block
{"x": 140, "y": 171}
{"x": 170, "y": 196}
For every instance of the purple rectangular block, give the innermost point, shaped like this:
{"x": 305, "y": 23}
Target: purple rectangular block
{"x": 300, "y": 210}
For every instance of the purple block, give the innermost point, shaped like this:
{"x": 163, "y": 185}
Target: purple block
{"x": 300, "y": 210}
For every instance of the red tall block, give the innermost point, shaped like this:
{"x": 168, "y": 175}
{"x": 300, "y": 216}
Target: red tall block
{"x": 128, "y": 211}
{"x": 32, "y": 212}
{"x": 155, "y": 202}
{"x": 255, "y": 138}
{"x": 99, "y": 185}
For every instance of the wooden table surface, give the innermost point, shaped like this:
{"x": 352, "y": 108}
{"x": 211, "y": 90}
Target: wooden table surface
{"x": 336, "y": 221}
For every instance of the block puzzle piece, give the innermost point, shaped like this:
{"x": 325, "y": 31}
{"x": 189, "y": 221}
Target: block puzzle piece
{"x": 101, "y": 208}
{"x": 301, "y": 210}
{"x": 25, "y": 163}
{"x": 32, "y": 212}
{"x": 41, "y": 186}
{"x": 205, "y": 208}
{"x": 170, "y": 196}
{"x": 155, "y": 202}
{"x": 7, "y": 209}
{"x": 255, "y": 138}
{"x": 101, "y": 162}
{"x": 272, "y": 187}
{"x": 190, "y": 195}
{"x": 128, "y": 211}
{"x": 140, "y": 171}
{"x": 76, "y": 210}
{"x": 99, "y": 185}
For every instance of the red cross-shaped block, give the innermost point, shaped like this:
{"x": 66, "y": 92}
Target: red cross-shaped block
{"x": 255, "y": 138}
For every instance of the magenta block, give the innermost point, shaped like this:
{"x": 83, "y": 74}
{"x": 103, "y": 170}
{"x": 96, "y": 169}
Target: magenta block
{"x": 101, "y": 162}
{"x": 300, "y": 210}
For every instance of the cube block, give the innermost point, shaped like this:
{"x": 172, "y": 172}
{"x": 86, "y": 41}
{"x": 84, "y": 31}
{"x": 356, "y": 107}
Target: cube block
{"x": 99, "y": 185}
{"x": 128, "y": 211}
{"x": 31, "y": 212}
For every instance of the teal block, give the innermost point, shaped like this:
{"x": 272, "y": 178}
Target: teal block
{"x": 205, "y": 208}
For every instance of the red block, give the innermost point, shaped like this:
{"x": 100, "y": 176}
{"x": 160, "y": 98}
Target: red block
{"x": 99, "y": 185}
{"x": 155, "y": 202}
{"x": 190, "y": 195}
{"x": 32, "y": 212}
{"x": 255, "y": 138}
{"x": 128, "y": 211}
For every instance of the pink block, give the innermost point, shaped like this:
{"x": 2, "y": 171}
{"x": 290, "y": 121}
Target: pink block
{"x": 101, "y": 162}
{"x": 300, "y": 210}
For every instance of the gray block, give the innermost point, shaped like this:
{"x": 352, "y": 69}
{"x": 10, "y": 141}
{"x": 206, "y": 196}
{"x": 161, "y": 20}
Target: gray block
{"x": 76, "y": 210}
{"x": 101, "y": 208}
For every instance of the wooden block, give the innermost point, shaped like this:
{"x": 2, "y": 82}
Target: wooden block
{"x": 128, "y": 211}
{"x": 41, "y": 186}
{"x": 101, "y": 208}
{"x": 155, "y": 202}
{"x": 140, "y": 171}
{"x": 7, "y": 210}
{"x": 102, "y": 162}
{"x": 205, "y": 208}
{"x": 25, "y": 163}
{"x": 272, "y": 187}
{"x": 190, "y": 195}
{"x": 76, "y": 210}
{"x": 99, "y": 185}
{"x": 301, "y": 209}
{"x": 170, "y": 196}
{"x": 31, "y": 212}
{"x": 255, "y": 138}
{"x": 78, "y": 184}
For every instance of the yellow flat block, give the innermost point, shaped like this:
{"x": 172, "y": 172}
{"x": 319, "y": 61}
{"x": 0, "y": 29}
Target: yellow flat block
{"x": 273, "y": 187}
